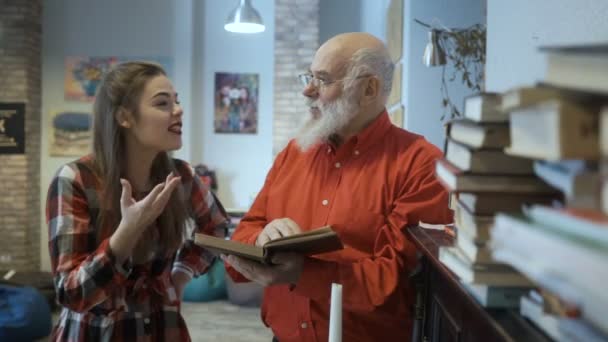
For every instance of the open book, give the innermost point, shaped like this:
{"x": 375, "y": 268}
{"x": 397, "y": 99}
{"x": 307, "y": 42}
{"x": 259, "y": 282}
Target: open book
{"x": 316, "y": 241}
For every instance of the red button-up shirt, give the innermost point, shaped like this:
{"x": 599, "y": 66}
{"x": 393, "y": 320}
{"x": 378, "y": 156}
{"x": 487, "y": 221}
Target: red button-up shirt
{"x": 368, "y": 189}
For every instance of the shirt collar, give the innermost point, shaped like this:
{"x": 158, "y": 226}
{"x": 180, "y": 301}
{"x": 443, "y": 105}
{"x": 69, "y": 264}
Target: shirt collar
{"x": 370, "y": 135}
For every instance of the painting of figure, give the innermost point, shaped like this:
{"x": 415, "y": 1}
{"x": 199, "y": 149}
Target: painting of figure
{"x": 236, "y": 103}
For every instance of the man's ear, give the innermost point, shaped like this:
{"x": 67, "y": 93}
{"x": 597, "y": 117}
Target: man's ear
{"x": 123, "y": 117}
{"x": 372, "y": 87}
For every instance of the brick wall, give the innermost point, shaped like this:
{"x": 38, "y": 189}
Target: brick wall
{"x": 20, "y": 45}
{"x": 296, "y": 40}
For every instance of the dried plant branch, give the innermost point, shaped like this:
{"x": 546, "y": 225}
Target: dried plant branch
{"x": 465, "y": 49}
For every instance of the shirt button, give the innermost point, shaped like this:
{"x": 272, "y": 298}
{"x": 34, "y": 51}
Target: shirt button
{"x": 338, "y": 165}
{"x": 329, "y": 150}
{"x": 356, "y": 152}
{"x": 304, "y": 325}
{"x": 146, "y": 320}
{"x": 325, "y": 202}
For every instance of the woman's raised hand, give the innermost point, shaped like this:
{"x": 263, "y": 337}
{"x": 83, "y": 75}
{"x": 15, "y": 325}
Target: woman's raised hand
{"x": 140, "y": 214}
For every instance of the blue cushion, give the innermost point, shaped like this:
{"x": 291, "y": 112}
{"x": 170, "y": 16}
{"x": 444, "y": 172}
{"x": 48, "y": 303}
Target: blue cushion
{"x": 24, "y": 314}
{"x": 210, "y": 286}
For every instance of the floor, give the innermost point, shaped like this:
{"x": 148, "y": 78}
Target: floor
{"x": 221, "y": 321}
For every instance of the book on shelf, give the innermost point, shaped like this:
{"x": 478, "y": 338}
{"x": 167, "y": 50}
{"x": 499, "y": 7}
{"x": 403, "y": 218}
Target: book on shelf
{"x": 452, "y": 200}
{"x": 486, "y": 160}
{"x": 581, "y": 330}
{"x": 571, "y": 266}
{"x": 480, "y": 135}
{"x": 522, "y": 97}
{"x": 561, "y": 328}
{"x": 582, "y": 67}
{"x": 456, "y": 180}
{"x": 476, "y": 226}
{"x": 484, "y": 107}
{"x": 486, "y": 204}
{"x": 478, "y": 273}
{"x": 583, "y": 224}
{"x": 546, "y": 240}
{"x": 555, "y": 130}
{"x": 593, "y": 302}
{"x": 496, "y": 296}
{"x": 474, "y": 250}
{"x": 533, "y": 310}
{"x": 555, "y": 305}
{"x": 578, "y": 180}
{"x": 315, "y": 241}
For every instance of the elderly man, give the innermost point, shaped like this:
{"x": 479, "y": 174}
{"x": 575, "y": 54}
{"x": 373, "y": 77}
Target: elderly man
{"x": 350, "y": 168}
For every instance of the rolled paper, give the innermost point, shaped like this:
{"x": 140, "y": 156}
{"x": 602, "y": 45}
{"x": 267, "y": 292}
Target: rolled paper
{"x": 335, "y": 314}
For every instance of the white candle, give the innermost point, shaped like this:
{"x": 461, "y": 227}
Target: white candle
{"x": 335, "y": 314}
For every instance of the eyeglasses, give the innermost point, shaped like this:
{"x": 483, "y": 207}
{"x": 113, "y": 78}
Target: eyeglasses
{"x": 308, "y": 78}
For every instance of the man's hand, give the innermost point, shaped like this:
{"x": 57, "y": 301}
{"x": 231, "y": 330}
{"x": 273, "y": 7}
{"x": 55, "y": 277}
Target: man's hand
{"x": 286, "y": 268}
{"x": 277, "y": 228}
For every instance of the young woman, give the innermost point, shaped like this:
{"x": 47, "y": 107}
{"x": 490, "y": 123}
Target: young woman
{"x": 120, "y": 219}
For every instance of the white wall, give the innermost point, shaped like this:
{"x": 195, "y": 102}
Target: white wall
{"x": 512, "y": 56}
{"x": 191, "y": 33}
{"x": 373, "y": 17}
{"x": 339, "y": 16}
{"x": 241, "y": 161}
{"x": 421, "y": 84}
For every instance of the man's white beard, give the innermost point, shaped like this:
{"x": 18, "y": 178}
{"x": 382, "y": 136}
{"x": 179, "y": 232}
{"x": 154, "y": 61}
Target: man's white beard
{"x": 334, "y": 117}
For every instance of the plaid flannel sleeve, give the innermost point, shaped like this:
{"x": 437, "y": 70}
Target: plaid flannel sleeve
{"x": 209, "y": 217}
{"x": 84, "y": 269}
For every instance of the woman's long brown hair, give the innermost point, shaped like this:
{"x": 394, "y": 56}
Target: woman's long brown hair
{"x": 122, "y": 88}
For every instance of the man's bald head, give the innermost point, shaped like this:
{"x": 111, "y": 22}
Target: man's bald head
{"x": 346, "y": 44}
{"x": 355, "y": 54}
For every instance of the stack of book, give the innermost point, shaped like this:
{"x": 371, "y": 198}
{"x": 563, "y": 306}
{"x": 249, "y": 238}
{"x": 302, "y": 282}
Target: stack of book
{"x": 562, "y": 247}
{"x": 483, "y": 179}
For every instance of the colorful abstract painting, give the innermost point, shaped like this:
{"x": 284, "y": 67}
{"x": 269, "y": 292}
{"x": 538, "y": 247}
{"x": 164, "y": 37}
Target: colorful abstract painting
{"x": 84, "y": 74}
{"x": 236, "y": 103}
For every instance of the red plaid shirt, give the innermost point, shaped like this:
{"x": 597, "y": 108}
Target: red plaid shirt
{"x": 101, "y": 299}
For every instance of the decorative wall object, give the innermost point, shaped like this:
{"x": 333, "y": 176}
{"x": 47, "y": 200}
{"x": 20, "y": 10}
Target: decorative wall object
{"x": 396, "y": 116}
{"x": 70, "y": 134}
{"x": 465, "y": 49}
{"x": 236, "y": 103}
{"x": 395, "y": 95}
{"x": 12, "y": 128}
{"x": 84, "y": 74}
{"x": 394, "y": 29}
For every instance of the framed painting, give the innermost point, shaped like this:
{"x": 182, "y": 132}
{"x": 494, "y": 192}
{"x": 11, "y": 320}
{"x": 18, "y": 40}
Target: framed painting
{"x": 83, "y": 75}
{"x": 12, "y": 128}
{"x": 236, "y": 103}
{"x": 70, "y": 134}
